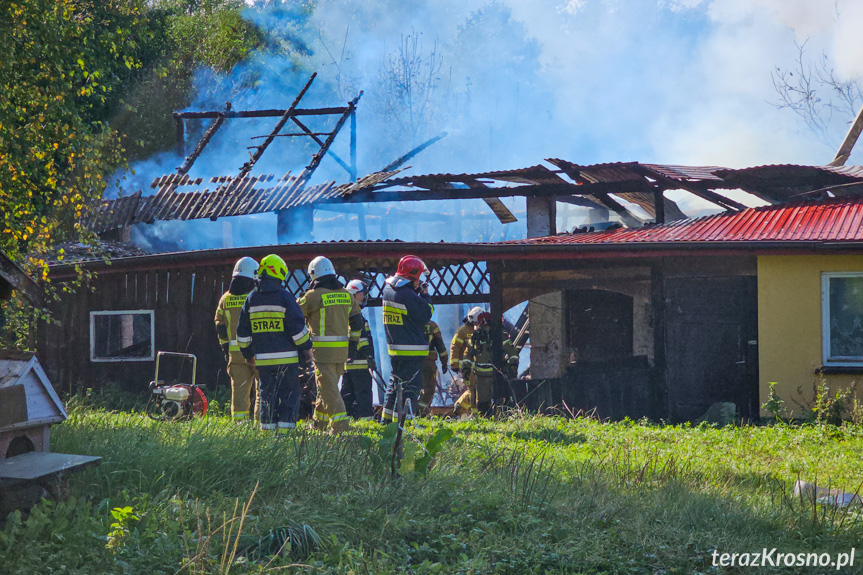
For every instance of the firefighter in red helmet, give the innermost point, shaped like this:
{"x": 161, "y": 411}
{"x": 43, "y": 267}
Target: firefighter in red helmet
{"x": 407, "y": 308}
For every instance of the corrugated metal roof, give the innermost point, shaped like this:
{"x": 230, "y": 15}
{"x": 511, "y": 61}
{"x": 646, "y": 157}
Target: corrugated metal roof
{"x": 836, "y": 220}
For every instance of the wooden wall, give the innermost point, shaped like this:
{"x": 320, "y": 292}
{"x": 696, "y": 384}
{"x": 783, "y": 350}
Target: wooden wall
{"x": 184, "y": 304}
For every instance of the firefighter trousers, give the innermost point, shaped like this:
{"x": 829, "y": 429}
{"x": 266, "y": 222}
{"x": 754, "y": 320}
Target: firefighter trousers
{"x": 280, "y": 396}
{"x": 243, "y": 378}
{"x": 357, "y": 393}
{"x": 429, "y": 385}
{"x": 329, "y": 407}
{"x": 408, "y": 371}
{"x": 484, "y": 389}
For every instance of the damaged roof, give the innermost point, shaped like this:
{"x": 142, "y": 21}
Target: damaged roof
{"x": 598, "y": 185}
{"x": 13, "y": 278}
{"x": 834, "y": 220}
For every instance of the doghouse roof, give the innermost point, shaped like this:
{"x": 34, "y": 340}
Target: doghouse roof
{"x": 27, "y": 398}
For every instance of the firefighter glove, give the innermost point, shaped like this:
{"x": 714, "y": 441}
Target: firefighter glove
{"x": 373, "y": 365}
{"x": 226, "y": 352}
{"x": 444, "y": 362}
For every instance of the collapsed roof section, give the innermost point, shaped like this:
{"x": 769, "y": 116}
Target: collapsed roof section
{"x": 598, "y": 185}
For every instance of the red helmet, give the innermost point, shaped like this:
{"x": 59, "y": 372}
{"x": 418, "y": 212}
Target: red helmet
{"x": 411, "y": 267}
{"x": 483, "y": 319}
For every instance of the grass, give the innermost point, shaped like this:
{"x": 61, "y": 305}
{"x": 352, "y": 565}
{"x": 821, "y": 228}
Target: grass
{"x": 513, "y": 496}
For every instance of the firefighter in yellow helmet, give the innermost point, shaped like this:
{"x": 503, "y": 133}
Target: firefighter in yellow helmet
{"x": 242, "y": 375}
{"x": 335, "y": 320}
{"x": 437, "y": 349}
{"x": 272, "y": 336}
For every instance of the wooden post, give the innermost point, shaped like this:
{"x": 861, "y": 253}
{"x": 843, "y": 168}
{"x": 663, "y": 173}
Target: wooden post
{"x": 354, "y": 145}
{"x": 659, "y": 206}
{"x": 848, "y": 143}
{"x": 662, "y": 399}
{"x": 500, "y": 391}
{"x": 180, "y": 137}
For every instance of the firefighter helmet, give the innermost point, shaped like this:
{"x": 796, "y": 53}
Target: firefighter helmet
{"x": 473, "y": 315}
{"x": 356, "y": 286}
{"x": 273, "y": 266}
{"x": 320, "y": 267}
{"x": 245, "y": 268}
{"x": 483, "y": 319}
{"x": 411, "y": 267}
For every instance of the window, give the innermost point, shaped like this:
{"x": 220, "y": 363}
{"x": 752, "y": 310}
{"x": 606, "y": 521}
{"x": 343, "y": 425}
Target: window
{"x": 121, "y": 335}
{"x": 842, "y": 318}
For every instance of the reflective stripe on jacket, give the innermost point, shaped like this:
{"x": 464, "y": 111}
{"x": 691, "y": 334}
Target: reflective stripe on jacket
{"x": 458, "y": 345}
{"x": 405, "y": 315}
{"x": 365, "y": 349}
{"x": 329, "y": 313}
{"x": 478, "y": 353}
{"x": 228, "y": 315}
{"x": 272, "y": 328}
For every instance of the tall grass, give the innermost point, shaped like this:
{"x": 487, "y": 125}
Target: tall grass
{"x": 517, "y": 495}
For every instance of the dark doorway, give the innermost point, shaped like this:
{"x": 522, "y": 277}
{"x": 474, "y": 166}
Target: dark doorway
{"x": 711, "y": 345}
{"x": 19, "y": 446}
{"x": 600, "y": 324}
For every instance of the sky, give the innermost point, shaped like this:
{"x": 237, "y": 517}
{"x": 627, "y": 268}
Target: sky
{"x": 518, "y": 81}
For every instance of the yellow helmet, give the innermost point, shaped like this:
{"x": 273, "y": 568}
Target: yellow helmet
{"x": 274, "y": 266}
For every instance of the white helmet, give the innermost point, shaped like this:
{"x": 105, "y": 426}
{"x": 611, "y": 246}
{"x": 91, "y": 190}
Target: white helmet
{"x": 320, "y": 267}
{"x": 245, "y": 268}
{"x": 355, "y": 287}
{"x": 473, "y": 314}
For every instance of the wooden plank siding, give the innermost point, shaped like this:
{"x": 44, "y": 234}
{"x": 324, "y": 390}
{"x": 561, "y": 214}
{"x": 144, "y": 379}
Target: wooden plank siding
{"x": 183, "y": 302}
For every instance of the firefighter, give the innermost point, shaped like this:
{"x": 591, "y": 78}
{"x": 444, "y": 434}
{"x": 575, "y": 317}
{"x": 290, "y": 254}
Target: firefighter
{"x": 407, "y": 309}
{"x": 510, "y": 353}
{"x": 457, "y": 349}
{"x": 272, "y": 336}
{"x": 335, "y": 320}
{"x": 459, "y": 340}
{"x": 242, "y": 375}
{"x": 478, "y": 363}
{"x": 437, "y": 349}
{"x": 357, "y": 380}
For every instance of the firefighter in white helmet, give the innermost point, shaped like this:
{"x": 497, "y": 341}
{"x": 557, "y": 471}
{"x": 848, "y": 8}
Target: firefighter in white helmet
{"x": 242, "y": 375}
{"x": 457, "y": 361}
{"x": 357, "y": 380}
{"x": 335, "y": 321}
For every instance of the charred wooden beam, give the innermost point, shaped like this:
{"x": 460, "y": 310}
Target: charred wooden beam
{"x": 700, "y": 191}
{"x": 445, "y": 191}
{"x": 320, "y": 142}
{"x": 309, "y": 170}
{"x": 247, "y": 167}
{"x": 844, "y": 151}
{"x": 205, "y": 139}
{"x": 261, "y": 113}
{"x": 401, "y": 161}
{"x": 628, "y": 217}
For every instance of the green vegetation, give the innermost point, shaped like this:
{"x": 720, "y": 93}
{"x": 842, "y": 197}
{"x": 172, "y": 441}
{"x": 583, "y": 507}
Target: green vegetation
{"x": 519, "y": 495}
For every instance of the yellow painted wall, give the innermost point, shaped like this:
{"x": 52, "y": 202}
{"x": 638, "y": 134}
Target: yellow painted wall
{"x": 789, "y": 325}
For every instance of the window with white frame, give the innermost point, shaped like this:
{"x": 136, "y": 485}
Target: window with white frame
{"x": 842, "y": 318}
{"x": 126, "y": 335}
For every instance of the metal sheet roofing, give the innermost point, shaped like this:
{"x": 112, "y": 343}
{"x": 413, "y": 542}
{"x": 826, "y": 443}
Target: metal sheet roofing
{"x": 634, "y": 182}
{"x": 838, "y": 220}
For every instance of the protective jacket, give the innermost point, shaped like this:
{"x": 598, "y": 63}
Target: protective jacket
{"x": 333, "y": 317}
{"x": 272, "y": 329}
{"x": 405, "y": 315}
{"x": 365, "y": 355}
{"x": 436, "y": 344}
{"x": 478, "y": 357}
{"x": 458, "y": 345}
{"x": 227, "y": 319}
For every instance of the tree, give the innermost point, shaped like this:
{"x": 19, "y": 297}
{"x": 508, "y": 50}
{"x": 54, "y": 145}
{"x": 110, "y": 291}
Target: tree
{"x": 813, "y": 91}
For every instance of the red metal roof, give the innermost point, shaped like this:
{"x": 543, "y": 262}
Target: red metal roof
{"x": 839, "y": 220}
